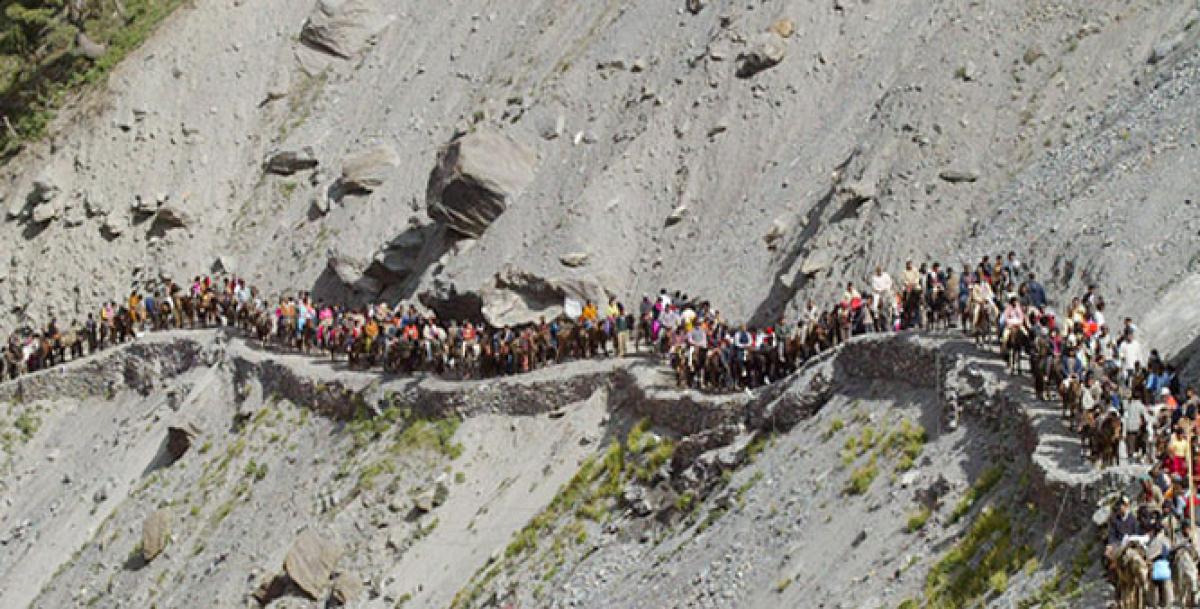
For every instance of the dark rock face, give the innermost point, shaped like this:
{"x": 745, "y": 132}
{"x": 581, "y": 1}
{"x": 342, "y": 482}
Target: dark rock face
{"x": 477, "y": 176}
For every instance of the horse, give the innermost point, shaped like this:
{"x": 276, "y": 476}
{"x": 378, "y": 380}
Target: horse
{"x": 1039, "y": 356}
{"x": 1133, "y": 577}
{"x": 1184, "y": 572}
{"x": 1071, "y": 392}
{"x": 941, "y": 309}
{"x": 1015, "y": 341}
{"x": 1106, "y": 440}
{"x": 910, "y": 313}
{"x": 983, "y": 322}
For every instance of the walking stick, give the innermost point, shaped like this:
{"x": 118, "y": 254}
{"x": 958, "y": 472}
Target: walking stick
{"x": 1191, "y": 487}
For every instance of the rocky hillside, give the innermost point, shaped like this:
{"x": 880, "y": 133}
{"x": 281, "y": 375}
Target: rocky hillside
{"x": 487, "y": 159}
{"x": 799, "y": 143}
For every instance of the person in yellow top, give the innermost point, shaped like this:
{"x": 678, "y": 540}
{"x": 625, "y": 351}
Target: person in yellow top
{"x": 613, "y": 311}
{"x": 372, "y": 332}
{"x": 589, "y": 314}
{"x": 134, "y": 302}
{"x": 910, "y": 277}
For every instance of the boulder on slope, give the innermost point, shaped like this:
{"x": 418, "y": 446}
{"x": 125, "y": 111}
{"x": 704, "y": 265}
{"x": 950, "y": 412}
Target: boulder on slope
{"x": 310, "y": 562}
{"x": 288, "y": 162}
{"x": 156, "y": 530}
{"x": 477, "y": 176}
{"x": 342, "y": 28}
{"x": 765, "y": 51}
{"x": 368, "y": 170}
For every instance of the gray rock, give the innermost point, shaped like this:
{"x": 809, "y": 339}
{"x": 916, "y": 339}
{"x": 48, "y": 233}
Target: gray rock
{"x": 574, "y": 259}
{"x": 111, "y": 229}
{"x": 369, "y": 169}
{"x": 765, "y": 51}
{"x": 958, "y": 176}
{"x": 172, "y": 215}
{"x": 144, "y": 205}
{"x": 89, "y": 48}
{"x": 431, "y": 498}
{"x": 676, "y": 216}
{"x": 347, "y": 588}
{"x": 519, "y": 297}
{"x": 45, "y": 213}
{"x": 310, "y": 562}
{"x": 224, "y": 264}
{"x": 288, "y": 162}
{"x": 156, "y": 532}
{"x": 180, "y": 439}
{"x": 695, "y": 6}
{"x": 342, "y": 28}
{"x": 816, "y": 262}
{"x": 968, "y": 71}
{"x": 477, "y": 176}
{"x": 1164, "y": 48}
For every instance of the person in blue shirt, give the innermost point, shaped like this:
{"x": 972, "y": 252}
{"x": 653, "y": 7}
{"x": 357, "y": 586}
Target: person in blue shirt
{"x": 1037, "y": 293}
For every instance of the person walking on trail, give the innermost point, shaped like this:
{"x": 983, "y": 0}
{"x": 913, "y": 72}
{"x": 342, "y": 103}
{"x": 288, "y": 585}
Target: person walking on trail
{"x": 1158, "y": 551}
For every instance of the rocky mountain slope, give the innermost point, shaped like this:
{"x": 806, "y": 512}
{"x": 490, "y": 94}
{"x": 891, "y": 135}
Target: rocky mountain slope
{"x": 487, "y": 159}
{"x": 885, "y": 131}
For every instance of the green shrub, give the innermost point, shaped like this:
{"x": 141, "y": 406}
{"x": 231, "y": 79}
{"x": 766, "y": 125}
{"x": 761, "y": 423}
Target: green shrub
{"x": 917, "y": 520}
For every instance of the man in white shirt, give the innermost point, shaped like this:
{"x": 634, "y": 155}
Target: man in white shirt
{"x": 1130, "y": 352}
{"x": 881, "y": 290}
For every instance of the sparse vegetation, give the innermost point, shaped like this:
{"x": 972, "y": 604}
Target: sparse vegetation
{"x": 979, "y": 564}
{"x": 917, "y": 520}
{"x": 986, "y": 482}
{"x": 861, "y": 479}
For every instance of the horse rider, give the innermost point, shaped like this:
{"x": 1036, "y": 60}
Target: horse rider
{"x": 1121, "y": 525}
{"x": 982, "y": 298}
{"x": 882, "y": 290}
{"x": 1013, "y": 319}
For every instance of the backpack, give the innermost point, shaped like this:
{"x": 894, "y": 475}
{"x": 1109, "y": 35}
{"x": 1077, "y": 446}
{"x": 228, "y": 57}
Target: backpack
{"x": 1161, "y": 569}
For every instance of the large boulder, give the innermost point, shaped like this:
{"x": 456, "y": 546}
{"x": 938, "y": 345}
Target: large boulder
{"x": 179, "y": 439}
{"x": 351, "y": 272}
{"x": 310, "y": 562}
{"x": 476, "y": 178}
{"x": 519, "y": 297}
{"x": 156, "y": 531}
{"x": 368, "y": 170}
{"x": 342, "y": 28}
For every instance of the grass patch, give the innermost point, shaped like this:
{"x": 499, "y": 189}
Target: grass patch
{"x": 836, "y": 425}
{"x": 27, "y": 423}
{"x": 861, "y": 478}
{"x": 986, "y": 482}
{"x": 917, "y": 520}
{"x": 979, "y": 564}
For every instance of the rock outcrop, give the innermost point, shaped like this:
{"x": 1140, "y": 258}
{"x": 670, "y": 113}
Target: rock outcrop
{"x": 288, "y": 162}
{"x": 362, "y": 173}
{"x": 765, "y": 51}
{"x": 310, "y": 562}
{"x": 519, "y": 297}
{"x": 342, "y": 28}
{"x": 156, "y": 531}
{"x": 476, "y": 178}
